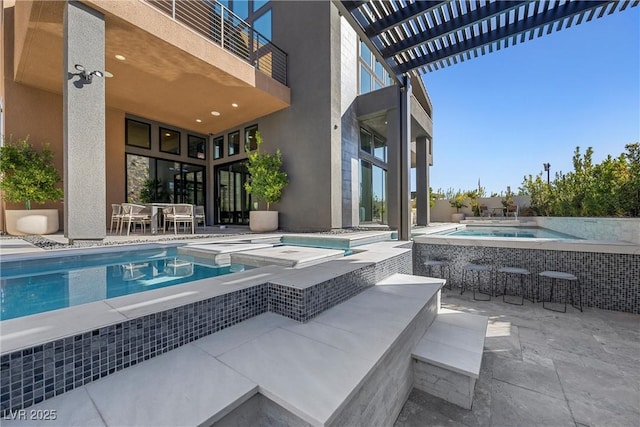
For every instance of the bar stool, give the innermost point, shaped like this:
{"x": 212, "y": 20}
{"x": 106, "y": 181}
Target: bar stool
{"x": 444, "y": 267}
{"x": 521, "y": 273}
{"x": 478, "y": 269}
{"x": 570, "y": 282}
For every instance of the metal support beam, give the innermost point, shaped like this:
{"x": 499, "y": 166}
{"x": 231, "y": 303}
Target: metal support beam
{"x": 404, "y": 226}
{"x": 422, "y": 181}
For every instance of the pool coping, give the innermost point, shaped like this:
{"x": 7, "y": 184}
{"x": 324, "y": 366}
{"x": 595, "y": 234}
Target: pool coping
{"x": 577, "y": 245}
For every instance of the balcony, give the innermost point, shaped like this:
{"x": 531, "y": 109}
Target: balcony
{"x": 221, "y": 26}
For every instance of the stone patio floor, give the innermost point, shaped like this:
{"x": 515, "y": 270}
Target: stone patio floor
{"x": 544, "y": 368}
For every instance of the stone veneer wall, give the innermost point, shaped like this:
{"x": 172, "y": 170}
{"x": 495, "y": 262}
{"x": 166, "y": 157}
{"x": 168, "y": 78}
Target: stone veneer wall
{"x": 624, "y": 229}
{"x": 31, "y": 375}
{"x": 609, "y": 281}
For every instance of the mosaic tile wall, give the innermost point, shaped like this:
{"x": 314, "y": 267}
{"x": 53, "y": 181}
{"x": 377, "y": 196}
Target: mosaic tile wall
{"x": 34, "y": 374}
{"x": 31, "y": 375}
{"x": 609, "y": 281}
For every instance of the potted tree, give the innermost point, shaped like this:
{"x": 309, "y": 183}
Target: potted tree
{"x": 29, "y": 176}
{"x": 265, "y": 183}
{"x": 458, "y": 202}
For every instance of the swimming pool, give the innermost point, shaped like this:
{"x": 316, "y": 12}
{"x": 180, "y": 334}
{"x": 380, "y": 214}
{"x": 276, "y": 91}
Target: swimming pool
{"x": 44, "y": 284}
{"x": 527, "y": 232}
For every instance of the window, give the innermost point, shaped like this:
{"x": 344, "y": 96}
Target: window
{"x": 257, "y": 4}
{"x": 138, "y": 134}
{"x": 218, "y": 147}
{"x": 169, "y": 141}
{"x": 156, "y": 180}
{"x": 263, "y": 24}
{"x": 365, "y": 80}
{"x": 373, "y": 193}
{"x": 380, "y": 148}
{"x": 234, "y": 143}
{"x": 373, "y": 76}
{"x": 365, "y": 54}
{"x": 365, "y": 140}
{"x": 250, "y": 141}
{"x": 240, "y": 8}
{"x": 197, "y": 147}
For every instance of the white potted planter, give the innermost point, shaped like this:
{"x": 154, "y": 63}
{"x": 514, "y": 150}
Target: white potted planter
{"x": 28, "y": 176}
{"x": 263, "y": 221}
{"x": 457, "y": 217}
{"x": 265, "y": 184}
{"x": 33, "y": 221}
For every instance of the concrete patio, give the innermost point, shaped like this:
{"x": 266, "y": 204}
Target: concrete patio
{"x": 544, "y": 368}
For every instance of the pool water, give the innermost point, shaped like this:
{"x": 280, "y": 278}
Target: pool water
{"x": 37, "y": 286}
{"x": 527, "y": 232}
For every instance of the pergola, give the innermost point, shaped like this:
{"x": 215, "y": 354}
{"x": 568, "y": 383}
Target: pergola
{"x": 409, "y": 36}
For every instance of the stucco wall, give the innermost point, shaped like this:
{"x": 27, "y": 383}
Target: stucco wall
{"x": 442, "y": 210}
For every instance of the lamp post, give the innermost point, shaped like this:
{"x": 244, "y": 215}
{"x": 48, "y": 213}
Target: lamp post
{"x": 547, "y": 167}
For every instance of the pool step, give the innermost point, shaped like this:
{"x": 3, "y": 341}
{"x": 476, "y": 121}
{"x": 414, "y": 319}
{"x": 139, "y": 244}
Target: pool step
{"x": 221, "y": 252}
{"x": 448, "y": 358}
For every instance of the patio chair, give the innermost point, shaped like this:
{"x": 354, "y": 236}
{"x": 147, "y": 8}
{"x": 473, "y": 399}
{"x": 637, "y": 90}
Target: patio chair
{"x": 513, "y": 210}
{"x": 177, "y": 214}
{"x": 135, "y": 214}
{"x": 200, "y": 217}
{"x": 116, "y": 216}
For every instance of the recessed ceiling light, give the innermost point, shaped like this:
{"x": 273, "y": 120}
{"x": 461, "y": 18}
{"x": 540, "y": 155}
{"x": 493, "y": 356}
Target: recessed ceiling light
{"x": 120, "y": 57}
{"x": 198, "y": 120}
{"x": 215, "y": 113}
{"x": 167, "y": 134}
{"x": 234, "y": 105}
{"x": 108, "y": 74}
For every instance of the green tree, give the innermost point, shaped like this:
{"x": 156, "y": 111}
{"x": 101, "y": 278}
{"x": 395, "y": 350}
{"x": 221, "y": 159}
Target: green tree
{"x": 609, "y": 188}
{"x": 266, "y": 180}
{"x": 28, "y": 175}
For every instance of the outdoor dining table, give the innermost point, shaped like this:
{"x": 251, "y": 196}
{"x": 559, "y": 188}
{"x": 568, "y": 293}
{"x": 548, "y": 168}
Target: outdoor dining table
{"x": 155, "y": 217}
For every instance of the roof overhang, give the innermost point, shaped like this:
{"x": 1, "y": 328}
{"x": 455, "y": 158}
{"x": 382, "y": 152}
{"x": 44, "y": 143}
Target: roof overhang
{"x": 171, "y": 73}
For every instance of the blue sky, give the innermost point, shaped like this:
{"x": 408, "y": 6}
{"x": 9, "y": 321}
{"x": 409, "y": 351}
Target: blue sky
{"x": 501, "y": 116}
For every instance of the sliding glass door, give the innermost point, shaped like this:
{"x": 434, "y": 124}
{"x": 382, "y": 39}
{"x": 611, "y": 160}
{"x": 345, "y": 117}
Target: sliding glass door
{"x": 233, "y": 201}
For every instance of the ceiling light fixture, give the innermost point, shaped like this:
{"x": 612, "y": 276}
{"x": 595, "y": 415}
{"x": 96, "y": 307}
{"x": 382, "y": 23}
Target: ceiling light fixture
{"x": 234, "y": 105}
{"x": 215, "y": 113}
{"x": 198, "y": 120}
{"x": 120, "y": 57}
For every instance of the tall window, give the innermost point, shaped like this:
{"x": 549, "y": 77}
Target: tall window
{"x": 234, "y": 143}
{"x": 372, "y": 74}
{"x": 373, "y": 177}
{"x": 373, "y": 145}
{"x": 250, "y": 141}
{"x": 373, "y": 193}
{"x": 218, "y": 147}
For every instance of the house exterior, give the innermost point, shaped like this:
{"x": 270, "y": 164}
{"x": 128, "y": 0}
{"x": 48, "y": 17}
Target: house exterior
{"x": 147, "y": 101}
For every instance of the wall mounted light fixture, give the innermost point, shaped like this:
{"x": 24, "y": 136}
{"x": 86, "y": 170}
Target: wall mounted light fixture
{"x": 88, "y": 76}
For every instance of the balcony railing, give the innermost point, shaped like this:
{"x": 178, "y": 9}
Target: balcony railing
{"x": 221, "y": 26}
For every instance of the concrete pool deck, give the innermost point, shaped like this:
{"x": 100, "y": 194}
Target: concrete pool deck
{"x": 544, "y": 368}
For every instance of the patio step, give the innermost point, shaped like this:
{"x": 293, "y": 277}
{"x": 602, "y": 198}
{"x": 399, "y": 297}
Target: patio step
{"x": 448, "y": 358}
{"x": 349, "y": 365}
